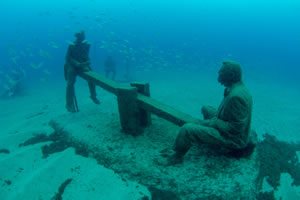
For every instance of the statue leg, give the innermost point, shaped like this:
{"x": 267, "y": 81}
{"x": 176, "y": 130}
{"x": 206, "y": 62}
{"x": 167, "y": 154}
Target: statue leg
{"x": 208, "y": 112}
{"x": 191, "y": 134}
{"x": 70, "y": 92}
{"x": 93, "y": 93}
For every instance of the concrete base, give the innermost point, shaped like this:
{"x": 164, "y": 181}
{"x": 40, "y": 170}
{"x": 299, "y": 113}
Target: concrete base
{"x": 203, "y": 175}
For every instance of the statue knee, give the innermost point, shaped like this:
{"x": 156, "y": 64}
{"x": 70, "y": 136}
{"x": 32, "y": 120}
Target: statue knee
{"x": 70, "y": 83}
{"x": 185, "y": 130}
{"x": 186, "y": 127}
{"x": 208, "y": 112}
{"x": 204, "y": 111}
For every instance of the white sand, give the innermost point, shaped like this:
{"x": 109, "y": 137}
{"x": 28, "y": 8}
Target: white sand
{"x": 33, "y": 177}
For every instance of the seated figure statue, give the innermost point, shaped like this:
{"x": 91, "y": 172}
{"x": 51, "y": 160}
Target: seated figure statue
{"x": 228, "y": 127}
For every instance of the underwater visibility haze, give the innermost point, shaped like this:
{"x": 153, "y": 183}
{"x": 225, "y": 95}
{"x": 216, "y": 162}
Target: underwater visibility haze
{"x": 178, "y": 47}
{"x": 174, "y": 34}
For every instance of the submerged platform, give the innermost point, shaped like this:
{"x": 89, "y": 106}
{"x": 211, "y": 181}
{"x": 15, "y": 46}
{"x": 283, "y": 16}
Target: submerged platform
{"x": 203, "y": 175}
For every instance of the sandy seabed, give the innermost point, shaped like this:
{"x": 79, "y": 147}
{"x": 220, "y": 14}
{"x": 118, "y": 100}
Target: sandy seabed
{"x": 25, "y": 174}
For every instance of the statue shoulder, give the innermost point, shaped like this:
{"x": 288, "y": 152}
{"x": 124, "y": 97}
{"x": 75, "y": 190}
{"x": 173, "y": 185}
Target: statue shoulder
{"x": 71, "y": 45}
{"x": 241, "y": 92}
{"x": 86, "y": 43}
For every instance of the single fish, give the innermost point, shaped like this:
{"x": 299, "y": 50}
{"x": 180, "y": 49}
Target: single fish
{"x": 45, "y": 71}
{"x": 36, "y": 66}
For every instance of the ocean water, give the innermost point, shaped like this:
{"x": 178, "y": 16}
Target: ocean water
{"x": 164, "y": 41}
{"x": 263, "y": 36}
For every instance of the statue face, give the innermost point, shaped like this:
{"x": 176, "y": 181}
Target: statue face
{"x": 80, "y": 37}
{"x": 225, "y": 76}
{"x": 230, "y": 73}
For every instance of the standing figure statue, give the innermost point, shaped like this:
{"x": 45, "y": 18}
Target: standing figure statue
{"x": 77, "y": 61}
{"x": 110, "y": 68}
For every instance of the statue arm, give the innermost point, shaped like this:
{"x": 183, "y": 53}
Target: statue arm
{"x": 69, "y": 59}
{"x": 235, "y": 113}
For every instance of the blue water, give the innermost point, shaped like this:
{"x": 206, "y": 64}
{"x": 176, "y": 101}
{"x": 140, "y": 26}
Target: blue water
{"x": 159, "y": 36}
{"x": 263, "y": 35}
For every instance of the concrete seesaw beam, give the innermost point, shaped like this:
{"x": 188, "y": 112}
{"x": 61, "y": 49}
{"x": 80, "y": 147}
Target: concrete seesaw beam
{"x": 164, "y": 111}
{"x": 105, "y": 83}
{"x": 136, "y": 105}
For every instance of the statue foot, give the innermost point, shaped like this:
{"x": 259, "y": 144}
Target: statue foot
{"x": 95, "y": 100}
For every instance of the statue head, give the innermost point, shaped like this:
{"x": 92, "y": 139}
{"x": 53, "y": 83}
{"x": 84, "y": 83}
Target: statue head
{"x": 80, "y": 36}
{"x": 230, "y": 73}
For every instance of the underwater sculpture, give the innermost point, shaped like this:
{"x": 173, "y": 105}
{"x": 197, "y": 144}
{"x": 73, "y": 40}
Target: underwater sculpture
{"x": 227, "y": 127}
{"x": 77, "y": 61}
{"x": 13, "y": 83}
{"x": 110, "y": 67}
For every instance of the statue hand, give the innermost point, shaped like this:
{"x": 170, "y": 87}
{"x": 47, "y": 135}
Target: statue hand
{"x": 86, "y": 63}
{"x": 85, "y": 67}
